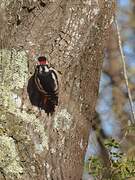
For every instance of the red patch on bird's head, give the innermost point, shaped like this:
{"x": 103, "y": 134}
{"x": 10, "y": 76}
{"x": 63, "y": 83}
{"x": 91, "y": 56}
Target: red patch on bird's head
{"x": 42, "y": 60}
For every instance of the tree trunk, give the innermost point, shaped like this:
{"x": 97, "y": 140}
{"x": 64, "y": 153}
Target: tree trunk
{"x": 72, "y": 35}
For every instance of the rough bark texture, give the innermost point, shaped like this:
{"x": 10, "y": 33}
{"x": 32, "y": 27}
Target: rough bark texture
{"x": 72, "y": 34}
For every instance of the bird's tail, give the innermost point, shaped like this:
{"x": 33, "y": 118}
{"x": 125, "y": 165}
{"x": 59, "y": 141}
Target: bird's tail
{"x": 50, "y": 104}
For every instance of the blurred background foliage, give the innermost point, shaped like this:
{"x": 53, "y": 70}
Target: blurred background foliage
{"x": 116, "y": 133}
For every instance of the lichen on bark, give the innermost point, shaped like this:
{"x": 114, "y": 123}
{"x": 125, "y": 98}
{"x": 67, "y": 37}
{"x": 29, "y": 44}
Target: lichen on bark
{"x": 14, "y": 77}
{"x": 9, "y": 159}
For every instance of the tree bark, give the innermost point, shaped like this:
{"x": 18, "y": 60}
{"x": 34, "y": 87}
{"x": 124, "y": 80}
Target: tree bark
{"x": 72, "y": 35}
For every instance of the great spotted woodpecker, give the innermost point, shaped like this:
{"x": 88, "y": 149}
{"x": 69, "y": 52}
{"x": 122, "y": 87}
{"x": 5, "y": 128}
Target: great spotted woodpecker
{"x": 43, "y": 87}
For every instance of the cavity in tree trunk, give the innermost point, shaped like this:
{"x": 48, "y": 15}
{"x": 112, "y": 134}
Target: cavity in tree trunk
{"x": 72, "y": 35}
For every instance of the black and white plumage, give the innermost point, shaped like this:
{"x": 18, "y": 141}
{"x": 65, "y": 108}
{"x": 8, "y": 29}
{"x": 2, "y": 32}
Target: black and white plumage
{"x": 43, "y": 87}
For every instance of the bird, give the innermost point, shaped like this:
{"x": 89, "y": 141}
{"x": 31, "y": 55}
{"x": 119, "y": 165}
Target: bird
{"x": 43, "y": 86}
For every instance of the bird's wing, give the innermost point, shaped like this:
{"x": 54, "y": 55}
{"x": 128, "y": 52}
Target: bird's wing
{"x": 38, "y": 84}
{"x": 55, "y": 78}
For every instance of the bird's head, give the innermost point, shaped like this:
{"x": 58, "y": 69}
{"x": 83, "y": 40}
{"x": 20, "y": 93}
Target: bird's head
{"x": 42, "y": 60}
